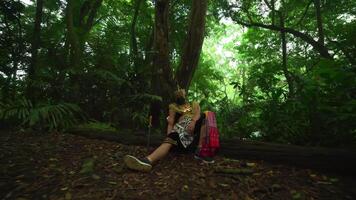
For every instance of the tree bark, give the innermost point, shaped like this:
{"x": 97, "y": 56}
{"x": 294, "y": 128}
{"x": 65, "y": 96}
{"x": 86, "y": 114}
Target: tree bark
{"x": 162, "y": 82}
{"x": 72, "y": 37}
{"x": 78, "y": 27}
{"x": 77, "y": 32}
{"x": 193, "y": 43}
{"x": 31, "y": 90}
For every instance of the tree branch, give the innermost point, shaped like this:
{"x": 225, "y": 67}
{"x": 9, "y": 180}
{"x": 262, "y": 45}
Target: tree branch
{"x": 304, "y": 14}
{"x": 92, "y": 14}
{"x": 323, "y": 51}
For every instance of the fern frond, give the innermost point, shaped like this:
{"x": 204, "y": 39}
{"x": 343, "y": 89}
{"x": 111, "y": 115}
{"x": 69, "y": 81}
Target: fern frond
{"x": 48, "y": 116}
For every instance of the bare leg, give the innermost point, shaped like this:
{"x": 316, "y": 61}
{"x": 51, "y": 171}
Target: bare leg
{"x": 160, "y": 152}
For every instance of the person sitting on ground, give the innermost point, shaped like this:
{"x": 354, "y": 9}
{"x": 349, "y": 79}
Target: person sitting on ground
{"x": 185, "y": 133}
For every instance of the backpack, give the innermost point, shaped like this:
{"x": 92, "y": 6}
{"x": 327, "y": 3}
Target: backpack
{"x": 211, "y": 141}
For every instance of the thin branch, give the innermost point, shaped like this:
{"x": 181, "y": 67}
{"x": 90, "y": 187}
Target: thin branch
{"x": 304, "y": 14}
{"x": 247, "y": 13}
{"x": 268, "y": 5}
{"x": 316, "y": 45}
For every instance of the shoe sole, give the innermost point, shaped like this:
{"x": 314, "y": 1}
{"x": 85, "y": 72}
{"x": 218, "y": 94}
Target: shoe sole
{"x": 135, "y": 164}
{"x": 204, "y": 161}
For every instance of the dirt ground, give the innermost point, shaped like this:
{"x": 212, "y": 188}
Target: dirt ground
{"x": 64, "y": 167}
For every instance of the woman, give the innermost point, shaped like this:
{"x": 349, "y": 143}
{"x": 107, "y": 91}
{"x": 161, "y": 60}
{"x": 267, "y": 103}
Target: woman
{"x": 183, "y": 133}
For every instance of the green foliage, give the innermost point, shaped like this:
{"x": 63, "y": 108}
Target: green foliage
{"x": 44, "y": 116}
{"x": 321, "y": 114}
{"x": 240, "y": 75}
{"x": 139, "y": 116}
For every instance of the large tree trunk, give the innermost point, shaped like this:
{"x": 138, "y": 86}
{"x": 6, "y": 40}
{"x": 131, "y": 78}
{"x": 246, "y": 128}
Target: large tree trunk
{"x": 162, "y": 80}
{"x": 193, "y": 43}
{"x": 79, "y": 21}
{"x": 331, "y": 160}
{"x": 78, "y": 29}
{"x": 31, "y": 90}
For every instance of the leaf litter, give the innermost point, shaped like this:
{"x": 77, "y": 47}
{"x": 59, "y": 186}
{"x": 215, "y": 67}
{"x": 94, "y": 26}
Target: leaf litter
{"x": 63, "y": 166}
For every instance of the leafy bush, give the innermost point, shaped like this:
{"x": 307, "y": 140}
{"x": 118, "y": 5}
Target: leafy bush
{"x": 43, "y": 116}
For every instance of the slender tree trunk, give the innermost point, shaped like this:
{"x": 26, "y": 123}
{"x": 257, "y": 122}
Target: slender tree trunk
{"x": 193, "y": 43}
{"x": 284, "y": 57}
{"x": 149, "y": 48}
{"x": 315, "y": 118}
{"x": 73, "y": 41}
{"x": 244, "y": 87}
{"x": 273, "y": 11}
{"x": 319, "y": 21}
{"x": 6, "y": 87}
{"x": 31, "y": 90}
{"x": 18, "y": 53}
{"x": 134, "y": 49}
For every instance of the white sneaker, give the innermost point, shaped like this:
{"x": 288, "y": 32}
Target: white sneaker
{"x": 134, "y": 163}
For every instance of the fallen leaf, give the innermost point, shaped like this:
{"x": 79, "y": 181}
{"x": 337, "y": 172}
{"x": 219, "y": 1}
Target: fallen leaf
{"x": 334, "y": 180}
{"x": 312, "y": 175}
{"x": 324, "y": 183}
{"x": 251, "y": 164}
{"x": 64, "y": 188}
{"x": 223, "y": 185}
{"x": 95, "y": 177}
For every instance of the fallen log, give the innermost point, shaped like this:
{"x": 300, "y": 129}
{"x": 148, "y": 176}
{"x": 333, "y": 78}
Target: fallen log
{"x": 324, "y": 159}
{"x": 342, "y": 161}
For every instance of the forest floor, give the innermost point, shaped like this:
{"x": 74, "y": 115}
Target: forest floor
{"x": 64, "y": 166}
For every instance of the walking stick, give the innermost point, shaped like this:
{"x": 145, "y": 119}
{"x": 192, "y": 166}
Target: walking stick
{"x": 149, "y": 131}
